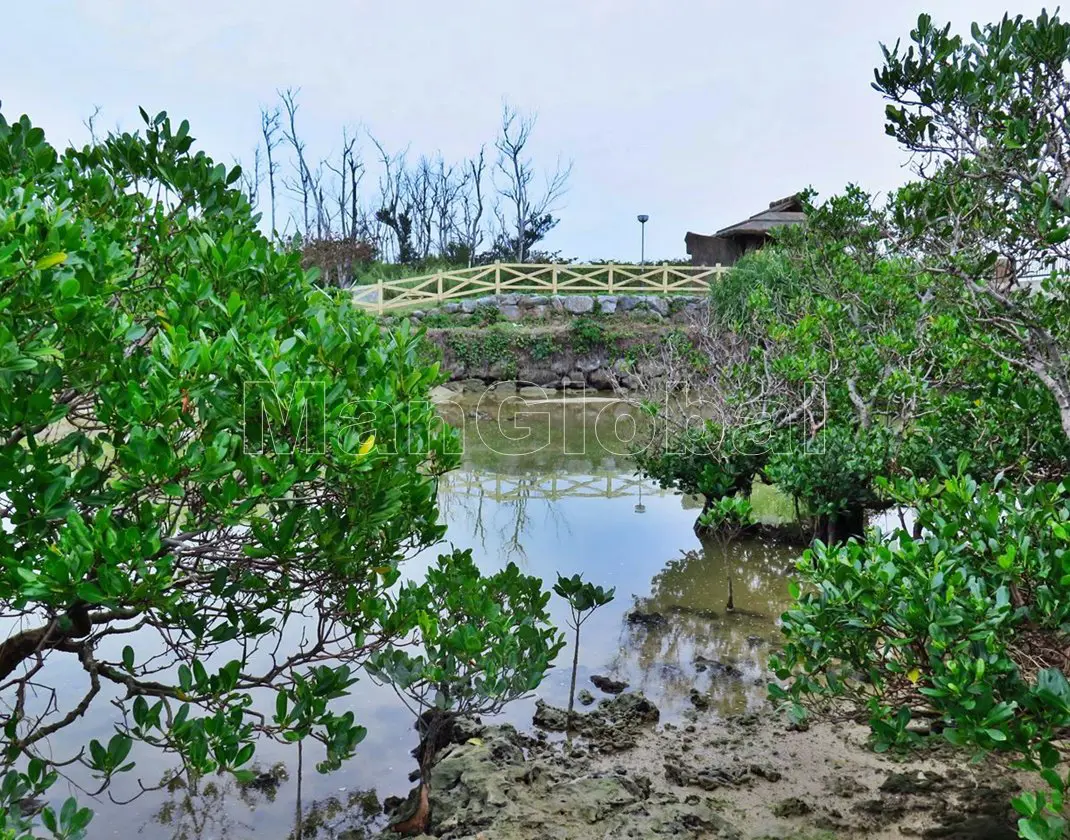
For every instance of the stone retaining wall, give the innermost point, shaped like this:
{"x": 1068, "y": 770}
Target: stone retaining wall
{"x": 624, "y": 363}
{"x": 518, "y": 307}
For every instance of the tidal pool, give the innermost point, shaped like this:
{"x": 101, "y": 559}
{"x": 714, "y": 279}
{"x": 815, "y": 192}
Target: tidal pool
{"x": 549, "y": 487}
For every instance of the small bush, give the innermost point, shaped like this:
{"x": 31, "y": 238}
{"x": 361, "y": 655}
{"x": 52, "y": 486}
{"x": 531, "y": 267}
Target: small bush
{"x": 587, "y": 334}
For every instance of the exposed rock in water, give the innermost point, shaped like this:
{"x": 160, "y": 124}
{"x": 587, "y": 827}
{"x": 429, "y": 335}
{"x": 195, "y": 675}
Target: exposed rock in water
{"x": 699, "y": 700}
{"x": 550, "y": 717}
{"x": 706, "y": 615}
{"x": 608, "y": 684}
{"x": 717, "y": 668}
{"x": 487, "y": 788}
{"x": 612, "y": 727}
{"x": 644, "y": 619}
{"x": 585, "y": 697}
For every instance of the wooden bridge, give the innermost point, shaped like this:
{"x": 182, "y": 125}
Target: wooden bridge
{"x": 502, "y": 278}
{"x": 507, "y": 488}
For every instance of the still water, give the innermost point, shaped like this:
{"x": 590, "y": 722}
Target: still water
{"x": 551, "y": 489}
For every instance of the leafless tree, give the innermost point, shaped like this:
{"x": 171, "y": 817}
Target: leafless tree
{"x": 269, "y": 130}
{"x": 419, "y": 184}
{"x": 304, "y": 186}
{"x": 471, "y": 203}
{"x": 251, "y": 181}
{"x": 447, "y": 188}
{"x": 90, "y": 124}
{"x": 394, "y": 212}
{"x": 521, "y": 201}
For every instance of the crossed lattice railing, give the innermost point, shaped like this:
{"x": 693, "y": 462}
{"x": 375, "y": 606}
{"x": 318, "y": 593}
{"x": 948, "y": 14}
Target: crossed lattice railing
{"x": 503, "y": 278}
{"x": 504, "y": 488}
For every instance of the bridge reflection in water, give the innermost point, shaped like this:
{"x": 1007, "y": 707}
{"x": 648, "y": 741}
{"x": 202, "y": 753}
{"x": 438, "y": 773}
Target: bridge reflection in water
{"x": 507, "y": 488}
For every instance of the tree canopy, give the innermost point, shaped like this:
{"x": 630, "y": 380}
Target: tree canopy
{"x": 200, "y": 450}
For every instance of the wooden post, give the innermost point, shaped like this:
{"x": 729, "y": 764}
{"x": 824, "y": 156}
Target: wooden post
{"x": 665, "y": 278}
{"x": 379, "y": 295}
{"x": 497, "y": 277}
{"x": 611, "y": 279}
{"x": 440, "y": 288}
{"x": 553, "y": 279}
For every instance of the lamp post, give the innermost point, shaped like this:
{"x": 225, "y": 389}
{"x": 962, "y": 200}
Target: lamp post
{"x": 643, "y": 219}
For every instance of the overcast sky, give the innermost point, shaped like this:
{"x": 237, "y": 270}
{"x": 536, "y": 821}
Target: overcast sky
{"x": 697, "y": 112}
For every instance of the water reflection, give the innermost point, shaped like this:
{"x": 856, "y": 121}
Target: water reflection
{"x": 710, "y": 624}
{"x": 560, "y": 501}
{"x": 219, "y": 807}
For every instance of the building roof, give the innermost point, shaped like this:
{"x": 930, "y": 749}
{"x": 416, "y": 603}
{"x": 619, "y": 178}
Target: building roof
{"x": 785, "y": 211}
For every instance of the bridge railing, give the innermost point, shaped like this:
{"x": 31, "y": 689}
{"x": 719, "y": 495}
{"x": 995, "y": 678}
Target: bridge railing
{"x": 503, "y": 278}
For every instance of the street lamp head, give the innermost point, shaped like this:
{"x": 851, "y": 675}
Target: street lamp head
{"x": 643, "y": 218}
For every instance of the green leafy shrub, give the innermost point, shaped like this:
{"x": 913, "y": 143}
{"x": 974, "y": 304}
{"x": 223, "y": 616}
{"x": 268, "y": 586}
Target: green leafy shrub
{"x": 706, "y": 460}
{"x": 967, "y": 621}
{"x": 728, "y": 515}
{"x": 467, "y": 644}
{"x": 586, "y": 334}
{"x": 583, "y": 599}
{"x": 833, "y": 474}
{"x": 480, "y": 348}
{"x": 194, "y": 439}
{"x": 487, "y": 314}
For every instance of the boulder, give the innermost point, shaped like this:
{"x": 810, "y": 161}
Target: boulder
{"x": 607, "y": 304}
{"x": 658, "y": 304}
{"x": 538, "y": 374}
{"x": 579, "y": 304}
{"x": 511, "y": 312}
{"x": 608, "y": 684}
{"x": 529, "y": 301}
{"x": 586, "y": 364}
{"x": 717, "y": 668}
{"x": 451, "y": 308}
{"x": 644, "y": 619}
{"x": 469, "y": 305}
{"x": 626, "y": 303}
{"x": 511, "y": 299}
{"x": 601, "y": 380}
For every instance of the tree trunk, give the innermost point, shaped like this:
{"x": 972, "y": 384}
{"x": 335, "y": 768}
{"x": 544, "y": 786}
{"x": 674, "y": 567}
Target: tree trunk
{"x": 572, "y": 687}
{"x": 419, "y": 822}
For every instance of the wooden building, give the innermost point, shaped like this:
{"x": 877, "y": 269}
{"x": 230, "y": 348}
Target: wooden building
{"x": 729, "y": 244}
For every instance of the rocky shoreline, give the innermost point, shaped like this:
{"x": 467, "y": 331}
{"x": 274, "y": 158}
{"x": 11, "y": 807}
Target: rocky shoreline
{"x": 748, "y": 777}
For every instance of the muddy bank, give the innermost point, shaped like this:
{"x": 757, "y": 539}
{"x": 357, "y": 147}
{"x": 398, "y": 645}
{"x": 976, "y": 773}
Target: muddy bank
{"x": 743, "y": 777}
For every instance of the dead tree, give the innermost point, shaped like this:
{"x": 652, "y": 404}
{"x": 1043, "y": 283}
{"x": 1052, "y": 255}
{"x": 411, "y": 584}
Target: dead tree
{"x": 522, "y": 201}
{"x": 304, "y": 186}
{"x": 269, "y": 130}
{"x": 471, "y": 203}
{"x": 251, "y": 181}
{"x": 395, "y": 213}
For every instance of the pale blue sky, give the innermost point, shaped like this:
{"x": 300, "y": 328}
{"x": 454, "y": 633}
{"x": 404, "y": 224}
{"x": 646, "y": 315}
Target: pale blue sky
{"x": 697, "y": 112}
